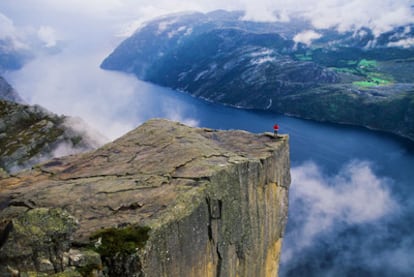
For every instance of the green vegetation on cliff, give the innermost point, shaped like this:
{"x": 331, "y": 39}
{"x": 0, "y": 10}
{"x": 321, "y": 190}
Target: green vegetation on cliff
{"x": 124, "y": 241}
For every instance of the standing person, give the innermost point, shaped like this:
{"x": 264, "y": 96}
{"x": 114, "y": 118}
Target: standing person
{"x": 275, "y": 129}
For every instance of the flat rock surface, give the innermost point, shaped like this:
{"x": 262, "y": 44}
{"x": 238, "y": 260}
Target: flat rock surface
{"x": 138, "y": 178}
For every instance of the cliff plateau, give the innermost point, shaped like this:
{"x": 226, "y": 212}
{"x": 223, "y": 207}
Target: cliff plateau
{"x": 163, "y": 200}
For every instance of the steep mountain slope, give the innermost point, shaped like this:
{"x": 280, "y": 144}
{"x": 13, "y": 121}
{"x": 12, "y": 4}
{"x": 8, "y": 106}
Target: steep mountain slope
{"x": 30, "y": 134}
{"x": 351, "y": 77}
{"x": 163, "y": 200}
{"x": 7, "y": 92}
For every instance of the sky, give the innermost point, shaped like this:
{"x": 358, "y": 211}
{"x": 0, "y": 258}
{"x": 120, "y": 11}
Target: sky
{"x": 68, "y": 19}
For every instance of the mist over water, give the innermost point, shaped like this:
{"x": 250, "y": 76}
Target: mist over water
{"x": 340, "y": 224}
{"x": 110, "y": 102}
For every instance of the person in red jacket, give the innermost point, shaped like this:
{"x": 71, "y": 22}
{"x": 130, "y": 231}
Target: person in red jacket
{"x": 275, "y": 129}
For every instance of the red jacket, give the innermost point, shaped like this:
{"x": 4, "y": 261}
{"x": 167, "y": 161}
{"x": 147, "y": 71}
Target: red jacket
{"x": 276, "y": 127}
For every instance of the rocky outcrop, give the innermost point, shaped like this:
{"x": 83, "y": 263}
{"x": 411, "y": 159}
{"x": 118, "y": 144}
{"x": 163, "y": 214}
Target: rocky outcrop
{"x": 163, "y": 200}
{"x": 30, "y": 134}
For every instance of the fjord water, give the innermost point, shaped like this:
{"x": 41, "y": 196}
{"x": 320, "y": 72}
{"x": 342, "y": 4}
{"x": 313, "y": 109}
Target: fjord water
{"x": 351, "y": 208}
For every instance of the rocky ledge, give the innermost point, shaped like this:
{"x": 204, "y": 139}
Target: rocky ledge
{"x": 163, "y": 200}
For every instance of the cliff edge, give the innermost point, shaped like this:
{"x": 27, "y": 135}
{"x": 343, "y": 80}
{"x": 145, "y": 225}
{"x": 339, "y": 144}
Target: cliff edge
{"x": 163, "y": 200}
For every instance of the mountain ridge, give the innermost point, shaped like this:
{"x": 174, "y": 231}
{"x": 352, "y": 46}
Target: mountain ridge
{"x": 348, "y": 77}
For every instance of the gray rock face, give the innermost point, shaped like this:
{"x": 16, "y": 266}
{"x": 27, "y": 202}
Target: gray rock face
{"x": 163, "y": 200}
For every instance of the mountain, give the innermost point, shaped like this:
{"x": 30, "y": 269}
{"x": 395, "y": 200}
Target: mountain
{"x": 286, "y": 67}
{"x": 7, "y": 92}
{"x": 163, "y": 200}
{"x": 30, "y": 134}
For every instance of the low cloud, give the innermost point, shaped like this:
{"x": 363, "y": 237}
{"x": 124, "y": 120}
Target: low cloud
{"x": 64, "y": 149}
{"x": 405, "y": 43}
{"x": 47, "y": 35}
{"x": 381, "y": 16}
{"x": 11, "y": 34}
{"x": 120, "y": 15}
{"x": 344, "y": 15}
{"x": 71, "y": 83}
{"x": 174, "y": 112}
{"x": 306, "y": 37}
{"x": 262, "y": 11}
{"x": 323, "y": 211}
{"x": 91, "y": 138}
{"x": 7, "y": 28}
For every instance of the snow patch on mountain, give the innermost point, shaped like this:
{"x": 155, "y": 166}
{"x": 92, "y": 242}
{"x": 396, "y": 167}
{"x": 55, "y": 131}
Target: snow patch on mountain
{"x": 163, "y": 25}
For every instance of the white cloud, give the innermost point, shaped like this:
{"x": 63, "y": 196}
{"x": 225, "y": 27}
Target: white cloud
{"x": 175, "y": 113}
{"x": 260, "y": 11}
{"x": 345, "y": 15}
{"x": 48, "y": 36}
{"x": 8, "y": 31}
{"x": 326, "y": 204}
{"x": 65, "y": 149}
{"x": 71, "y": 83}
{"x": 306, "y": 37}
{"x": 91, "y": 137}
{"x": 405, "y": 43}
{"x": 7, "y": 28}
{"x": 381, "y": 16}
{"x": 121, "y": 16}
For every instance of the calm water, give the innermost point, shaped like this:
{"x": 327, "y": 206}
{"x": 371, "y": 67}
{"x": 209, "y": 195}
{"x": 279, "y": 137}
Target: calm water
{"x": 367, "y": 175}
{"x": 329, "y": 145}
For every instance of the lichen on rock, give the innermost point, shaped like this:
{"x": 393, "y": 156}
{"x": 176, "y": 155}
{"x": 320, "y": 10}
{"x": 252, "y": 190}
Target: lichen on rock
{"x": 36, "y": 240}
